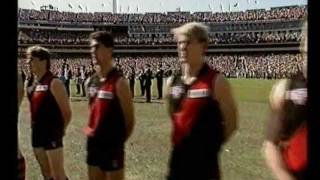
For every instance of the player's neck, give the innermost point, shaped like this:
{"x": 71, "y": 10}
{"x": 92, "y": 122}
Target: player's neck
{"x": 38, "y": 75}
{"x": 192, "y": 70}
{"x": 106, "y": 69}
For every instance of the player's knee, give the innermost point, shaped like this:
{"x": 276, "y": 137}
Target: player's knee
{"x": 57, "y": 169}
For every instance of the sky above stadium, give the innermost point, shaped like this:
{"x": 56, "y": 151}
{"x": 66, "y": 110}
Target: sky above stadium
{"x": 142, "y": 6}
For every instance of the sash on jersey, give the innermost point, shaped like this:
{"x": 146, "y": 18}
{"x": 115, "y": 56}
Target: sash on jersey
{"x": 298, "y": 96}
{"x": 105, "y": 94}
{"x": 41, "y": 88}
{"x": 198, "y": 93}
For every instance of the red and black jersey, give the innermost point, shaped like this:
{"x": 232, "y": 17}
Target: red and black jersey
{"x": 195, "y": 113}
{"x": 294, "y": 129}
{"x": 197, "y": 124}
{"x": 288, "y": 128}
{"x": 106, "y": 120}
{"x": 295, "y": 109}
{"x": 46, "y": 115}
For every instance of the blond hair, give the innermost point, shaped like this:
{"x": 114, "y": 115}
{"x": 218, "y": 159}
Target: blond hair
{"x": 39, "y": 51}
{"x": 193, "y": 30}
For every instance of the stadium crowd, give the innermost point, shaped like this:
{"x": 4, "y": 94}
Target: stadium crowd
{"x": 294, "y": 12}
{"x": 233, "y": 66}
{"x": 31, "y": 36}
{"x": 268, "y": 66}
{"x": 35, "y": 36}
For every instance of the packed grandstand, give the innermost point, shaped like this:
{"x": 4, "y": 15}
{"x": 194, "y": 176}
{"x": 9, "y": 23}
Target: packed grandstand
{"x": 256, "y": 43}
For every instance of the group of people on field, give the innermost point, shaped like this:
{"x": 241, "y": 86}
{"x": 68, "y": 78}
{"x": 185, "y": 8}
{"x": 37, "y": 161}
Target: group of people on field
{"x": 200, "y": 104}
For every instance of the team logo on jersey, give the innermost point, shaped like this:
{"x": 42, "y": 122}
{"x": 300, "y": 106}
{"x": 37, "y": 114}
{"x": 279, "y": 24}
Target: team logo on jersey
{"x": 298, "y": 96}
{"x": 93, "y": 91}
{"x": 198, "y": 93}
{"x": 41, "y": 88}
{"x": 105, "y": 94}
{"x": 177, "y": 91}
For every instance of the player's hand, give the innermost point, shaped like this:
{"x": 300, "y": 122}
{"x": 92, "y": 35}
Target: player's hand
{"x": 286, "y": 176}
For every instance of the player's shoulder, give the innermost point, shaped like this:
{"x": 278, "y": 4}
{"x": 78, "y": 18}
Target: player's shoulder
{"x": 56, "y": 82}
{"x": 121, "y": 81}
{"x": 280, "y": 87}
{"x": 278, "y": 93}
{"x": 219, "y": 81}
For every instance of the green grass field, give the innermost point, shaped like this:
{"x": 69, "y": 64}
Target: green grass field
{"x": 147, "y": 151}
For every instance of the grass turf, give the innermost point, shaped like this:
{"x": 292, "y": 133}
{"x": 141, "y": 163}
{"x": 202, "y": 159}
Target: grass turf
{"x": 147, "y": 151}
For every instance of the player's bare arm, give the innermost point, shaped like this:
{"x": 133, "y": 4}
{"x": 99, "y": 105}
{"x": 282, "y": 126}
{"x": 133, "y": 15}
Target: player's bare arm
{"x": 125, "y": 99}
{"x": 271, "y": 149}
{"x": 223, "y": 94}
{"x": 59, "y": 92}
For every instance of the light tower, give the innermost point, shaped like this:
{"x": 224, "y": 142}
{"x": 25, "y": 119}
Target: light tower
{"x": 114, "y": 4}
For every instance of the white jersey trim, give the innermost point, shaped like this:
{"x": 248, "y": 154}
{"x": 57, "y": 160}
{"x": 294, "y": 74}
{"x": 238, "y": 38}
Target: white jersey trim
{"x": 298, "y": 96}
{"x": 105, "y": 94}
{"x": 198, "y": 93}
{"x": 41, "y": 88}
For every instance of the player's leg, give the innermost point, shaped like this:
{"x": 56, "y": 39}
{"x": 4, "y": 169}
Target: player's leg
{"x": 94, "y": 159}
{"x": 56, "y": 162}
{"x": 43, "y": 161}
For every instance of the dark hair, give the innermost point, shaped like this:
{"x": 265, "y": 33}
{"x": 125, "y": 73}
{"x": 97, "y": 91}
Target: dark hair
{"x": 103, "y": 37}
{"x": 41, "y": 53}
